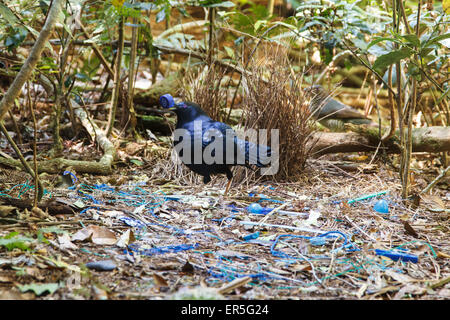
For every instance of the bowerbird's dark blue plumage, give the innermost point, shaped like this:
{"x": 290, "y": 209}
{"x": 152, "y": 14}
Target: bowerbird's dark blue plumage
{"x": 198, "y": 125}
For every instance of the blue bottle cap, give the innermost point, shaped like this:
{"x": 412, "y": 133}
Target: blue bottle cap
{"x": 166, "y": 101}
{"x": 255, "y": 208}
{"x": 381, "y": 206}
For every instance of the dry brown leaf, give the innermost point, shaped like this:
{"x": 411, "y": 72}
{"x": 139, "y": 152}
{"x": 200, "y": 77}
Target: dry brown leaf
{"x": 444, "y": 255}
{"x": 133, "y": 148}
{"x": 188, "y": 268}
{"x": 4, "y": 279}
{"x": 82, "y": 235}
{"x": 409, "y": 230}
{"x": 113, "y": 213}
{"x": 37, "y": 212}
{"x": 166, "y": 266}
{"x": 97, "y": 234}
{"x": 6, "y": 210}
{"x": 125, "y": 239}
{"x": 433, "y": 202}
{"x": 13, "y": 294}
{"x": 236, "y": 283}
{"x": 278, "y": 271}
{"x": 35, "y": 273}
{"x": 301, "y": 267}
{"x": 160, "y": 281}
{"x": 409, "y": 289}
{"x": 402, "y": 278}
{"x": 65, "y": 243}
{"x": 362, "y": 290}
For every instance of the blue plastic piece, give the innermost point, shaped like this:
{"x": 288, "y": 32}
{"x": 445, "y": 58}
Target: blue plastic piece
{"x": 258, "y": 209}
{"x": 255, "y": 208}
{"x": 166, "y": 101}
{"x": 397, "y": 255}
{"x": 251, "y": 236}
{"x": 381, "y": 206}
{"x": 318, "y": 241}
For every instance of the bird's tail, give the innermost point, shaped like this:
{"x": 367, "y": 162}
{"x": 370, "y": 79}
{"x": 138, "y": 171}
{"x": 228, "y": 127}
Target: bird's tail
{"x": 257, "y": 154}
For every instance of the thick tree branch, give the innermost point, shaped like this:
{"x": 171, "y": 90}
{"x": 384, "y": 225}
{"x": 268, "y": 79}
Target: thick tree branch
{"x": 427, "y": 139}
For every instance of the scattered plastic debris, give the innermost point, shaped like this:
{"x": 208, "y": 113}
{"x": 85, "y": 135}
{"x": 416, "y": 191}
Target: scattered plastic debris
{"x": 251, "y": 223}
{"x": 397, "y": 255}
{"x": 318, "y": 241}
{"x": 251, "y": 236}
{"x": 368, "y": 196}
{"x": 256, "y": 208}
{"x": 222, "y": 246}
{"x": 381, "y": 206}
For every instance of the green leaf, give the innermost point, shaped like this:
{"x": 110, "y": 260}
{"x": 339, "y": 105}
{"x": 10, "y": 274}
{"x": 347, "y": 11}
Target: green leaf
{"x": 348, "y": 65}
{"x": 425, "y": 51}
{"x": 54, "y": 229}
{"x": 412, "y": 39}
{"x": 137, "y": 162}
{"x": 12, "y": 240}
{"x": 437, "y": 39}
{"x": 20, "y": 243}
{"x": 259, "y": 23}
{"x": 160, "y": 16}
{"x": 11, "y": 235}
{"x": 287, "y": 25}
{"x": 392, "y": 57}
{"x": 443, "y": 96}
{"x": 229, "y": 51}
{"x": 377, "y": 40}
{"x": 41, "y": 237}
{"x": 216, "y": 4}
{"x": 360, "y": 43}
{"x": 39, "y": 288}
{"x": 8, "y": 15}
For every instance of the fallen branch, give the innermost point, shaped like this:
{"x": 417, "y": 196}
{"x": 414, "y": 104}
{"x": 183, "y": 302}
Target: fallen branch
{"x": 58, "y": 165}
{"x": 427, "y": 139}
{"x": 436, "y": 180}
{"x": 150, "y": 97}
{"x": 52, "y": 206}
{"x": 103, "y": 166}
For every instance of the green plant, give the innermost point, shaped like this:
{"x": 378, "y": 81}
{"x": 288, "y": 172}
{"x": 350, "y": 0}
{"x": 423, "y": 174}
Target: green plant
{"x": 13, "y": 240}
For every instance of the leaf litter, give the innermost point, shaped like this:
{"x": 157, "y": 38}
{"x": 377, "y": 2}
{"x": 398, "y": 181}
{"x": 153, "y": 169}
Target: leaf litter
{"x": 163, "y": 240}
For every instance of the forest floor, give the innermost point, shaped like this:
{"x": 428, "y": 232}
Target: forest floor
{"x": 162, "y": 239}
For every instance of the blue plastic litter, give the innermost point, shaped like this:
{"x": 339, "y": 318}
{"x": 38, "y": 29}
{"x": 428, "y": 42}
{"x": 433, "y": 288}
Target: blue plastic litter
{"x": 381, "y": 206}
{"x": 74, "y": 179}
{"x": 166, "y": 101}
{"x": 367, "y": 196}
{"x": 161, "y": 250}
{"x": 251, "y": 236}
{"x": 262, "y": 197}
{"x": 318, "y": 241}
{"x": 256, "y": 208}
{"x": 397, "y": 255}
{"x": 132, "y": 222}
